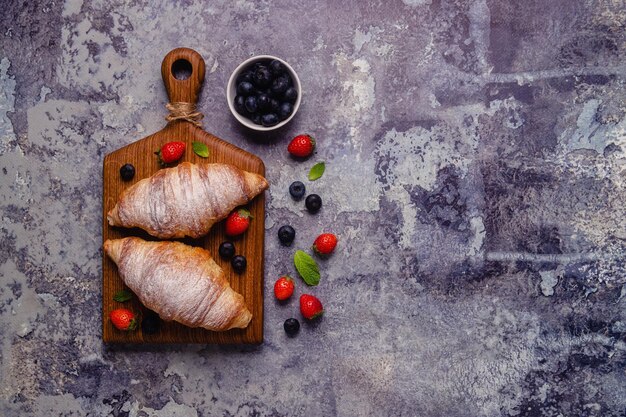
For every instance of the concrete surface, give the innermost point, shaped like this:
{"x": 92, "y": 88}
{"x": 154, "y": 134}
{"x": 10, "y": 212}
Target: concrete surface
{"x": 475, "y": 157}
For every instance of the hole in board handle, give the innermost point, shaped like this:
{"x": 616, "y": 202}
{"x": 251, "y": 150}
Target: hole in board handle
{"x": 182, "y": 69}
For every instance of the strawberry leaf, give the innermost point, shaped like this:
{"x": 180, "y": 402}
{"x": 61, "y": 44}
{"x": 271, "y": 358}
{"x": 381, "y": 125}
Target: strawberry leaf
{"x": 122, "y": 296}
{"x": 317, "y": 171}
{"x": 316, "y": 315}
{"x": 200, "y": 149}
{"x": 245, "y": 213}
{"x": 133, "y": 324}
{"x": 307, "y": 267}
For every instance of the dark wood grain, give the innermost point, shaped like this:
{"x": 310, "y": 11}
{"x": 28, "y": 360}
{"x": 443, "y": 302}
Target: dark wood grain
{"x": 141, "y": 155}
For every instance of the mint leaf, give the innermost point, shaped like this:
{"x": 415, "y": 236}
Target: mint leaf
{"x": 122, "y": 296}
{"x": 317, "y": 171}
{"x": 200, "y": 149}
{"x": 307, "y": 268}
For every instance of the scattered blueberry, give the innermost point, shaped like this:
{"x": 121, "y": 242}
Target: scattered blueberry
{"x": 240, "y": 104}
{"x": 291, "y": 95}
{"x": 127, "y": 172}
{"x": 286, "y": 235}
{"x": 292, "y": 326}
{"x": 263, "y": 102}
{"x": 245, "y": 88}
{"x": 276, "y": 67}
{"x": 150, "y": 323}
{"x": 238, "y": 263}
{"x": 269, "y": 119}
{"x": 227, "y": 250}
{"x": 280, "y": 85}
{"x": 313, "y": 203}
{"x": 251, "y": 104}
{"x": 262, "y": 77}
{"x": 285, "y": 111}
{"x": 297, "y": 190}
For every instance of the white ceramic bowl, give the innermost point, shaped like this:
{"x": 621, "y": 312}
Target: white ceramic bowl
{"x": 231, "y": 92}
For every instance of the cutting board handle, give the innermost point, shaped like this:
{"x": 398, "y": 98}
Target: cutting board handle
{"x": 185, "y": 62}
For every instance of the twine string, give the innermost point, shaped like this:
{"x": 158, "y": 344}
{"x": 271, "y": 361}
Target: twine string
{"x": 184, "y": 111}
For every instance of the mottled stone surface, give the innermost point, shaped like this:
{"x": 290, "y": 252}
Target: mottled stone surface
{"x": 475, "y": 175}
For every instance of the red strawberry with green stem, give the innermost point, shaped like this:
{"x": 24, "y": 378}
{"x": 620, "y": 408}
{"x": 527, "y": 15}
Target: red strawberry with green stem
{"x": 283, "y": 288}
{"x": 325, "y": 243}
{"x": 310, "y": 307}
{"x": 123, "y": 319}
{"x": 301, "y": 146}
{"x": 171, "y": 152}
{"x": 238, "y": 222}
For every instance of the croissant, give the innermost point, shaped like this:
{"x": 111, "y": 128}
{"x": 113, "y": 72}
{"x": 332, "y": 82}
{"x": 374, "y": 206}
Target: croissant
{"x": 179, "y": 282}
{"x": 185, "y": 200}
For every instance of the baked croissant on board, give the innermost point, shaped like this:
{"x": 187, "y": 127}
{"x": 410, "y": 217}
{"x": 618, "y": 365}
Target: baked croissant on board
{"x": 185, "y": 200}
{"x": 179, "y": 282}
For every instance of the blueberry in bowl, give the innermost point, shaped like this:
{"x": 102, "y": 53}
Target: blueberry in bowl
{"x": 262, "y": 77}
{"x": 285, "y": 111}
{"x": 279, "y": 86}
{"x": 291, "y": 95}
{"x": 264, "y": 93}
{"x": 251, "y": 104}
{"x": 269, "y": 119}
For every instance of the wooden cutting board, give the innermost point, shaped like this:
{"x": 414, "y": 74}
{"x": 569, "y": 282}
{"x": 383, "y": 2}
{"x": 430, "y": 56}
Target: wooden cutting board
{"x": 141, "y": 155}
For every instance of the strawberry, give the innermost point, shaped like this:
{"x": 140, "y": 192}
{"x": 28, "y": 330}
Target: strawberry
{"x": 283, "y": 288}
{"x": 238, "y": 222}
{"x": 310, "y": 307}
{"x": 301, "y": 146}
{"x": 123, "y": 319}
{"x": 325, "y": 243}
{"x": 171, "y": 152}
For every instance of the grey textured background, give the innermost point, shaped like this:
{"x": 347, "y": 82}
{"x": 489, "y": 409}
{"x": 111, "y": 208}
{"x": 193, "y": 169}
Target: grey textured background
{"x": 476, "y": 162}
